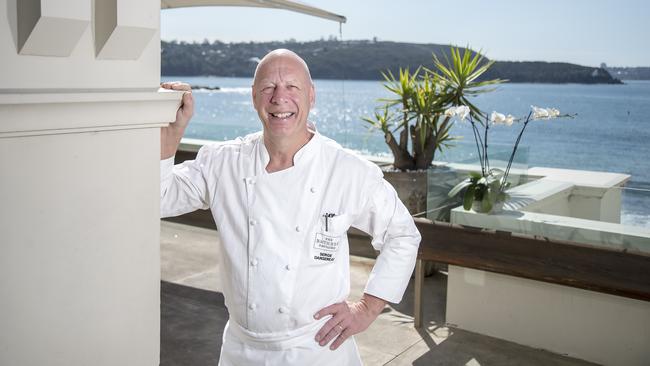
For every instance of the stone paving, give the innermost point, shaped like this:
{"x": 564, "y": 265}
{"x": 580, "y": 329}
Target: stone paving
{"x": 189, "y": 269}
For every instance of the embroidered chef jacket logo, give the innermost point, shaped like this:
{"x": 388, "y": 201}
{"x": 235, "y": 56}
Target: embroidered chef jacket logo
{"x": 326, "y": 246}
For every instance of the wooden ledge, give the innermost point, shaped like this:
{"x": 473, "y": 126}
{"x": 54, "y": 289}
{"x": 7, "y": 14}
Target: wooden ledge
{"x": 606, "y": 270}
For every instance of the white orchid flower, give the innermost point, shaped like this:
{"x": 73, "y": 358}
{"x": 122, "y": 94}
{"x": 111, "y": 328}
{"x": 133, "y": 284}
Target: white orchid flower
{"x": 539, "y": 113}
{"x": 462, "y": 111}
{"x": 544, "y": 113}
{"x": 450, "y": 112}
{"x": 497, "y": 118}
{"x": 501, "y": 119}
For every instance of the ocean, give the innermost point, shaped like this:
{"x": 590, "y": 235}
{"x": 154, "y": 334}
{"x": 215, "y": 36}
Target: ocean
{"x": 610, "y": 133}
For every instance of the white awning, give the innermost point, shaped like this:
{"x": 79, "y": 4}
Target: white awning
{"x": 276, "y": 4}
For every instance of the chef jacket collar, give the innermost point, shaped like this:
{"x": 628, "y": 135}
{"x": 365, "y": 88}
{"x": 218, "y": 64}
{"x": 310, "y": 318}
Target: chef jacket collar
{"x": 302, "y": 156}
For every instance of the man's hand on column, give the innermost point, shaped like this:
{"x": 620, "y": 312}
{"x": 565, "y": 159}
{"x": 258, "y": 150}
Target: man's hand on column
{"x": 170, "y": 136}
{"x": 348, "y": 319}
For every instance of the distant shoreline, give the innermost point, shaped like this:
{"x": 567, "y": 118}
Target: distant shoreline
{"x": 358, "y": 60}
{"x": 218, "y": 87}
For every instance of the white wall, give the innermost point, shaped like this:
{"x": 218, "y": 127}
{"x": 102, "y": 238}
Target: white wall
{"x": 80, "y": 115}
{"x": 79, "y": 261}
{"x": 601, "y": 328}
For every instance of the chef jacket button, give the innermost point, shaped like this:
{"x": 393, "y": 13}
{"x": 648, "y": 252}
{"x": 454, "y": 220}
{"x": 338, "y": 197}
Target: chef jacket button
{"x": 298, "y": 228}
{"x": 312, "y": 189}
{"x": 252, "y": 222}
{"x": 287, "y": 267}
{"x": 252, "y": 306}
{"x": 283, "y": 310}
{"x": 254, "y": 262}
{"x": 250, "y": 180}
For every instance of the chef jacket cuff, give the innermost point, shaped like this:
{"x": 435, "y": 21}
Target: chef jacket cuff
{"x": 389, "y": 281}
{"x": 166, "y": 168}
{"x": 384, "y": 292}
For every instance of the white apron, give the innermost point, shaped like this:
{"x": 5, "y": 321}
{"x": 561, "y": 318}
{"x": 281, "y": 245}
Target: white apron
{"x": 290, "y": 350}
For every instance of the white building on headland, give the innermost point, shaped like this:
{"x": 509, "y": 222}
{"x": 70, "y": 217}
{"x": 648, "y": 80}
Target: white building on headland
{"x": 80, "y": 115}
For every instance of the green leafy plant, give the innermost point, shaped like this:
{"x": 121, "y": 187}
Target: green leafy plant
{"x": 416, "y": 112}
{"x": 483, "y": 189}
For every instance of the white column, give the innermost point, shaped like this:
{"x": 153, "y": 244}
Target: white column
{"x": 79, "y": 186}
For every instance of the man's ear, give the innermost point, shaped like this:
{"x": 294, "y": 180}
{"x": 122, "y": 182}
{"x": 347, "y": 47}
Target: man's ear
{"x": 312, "y": 96}
{"x": 253, "y": 96}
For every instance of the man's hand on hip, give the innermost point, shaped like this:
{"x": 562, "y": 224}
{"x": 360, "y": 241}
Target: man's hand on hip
{"x": 348, "y": 319}
{"x": 170, "y": 136}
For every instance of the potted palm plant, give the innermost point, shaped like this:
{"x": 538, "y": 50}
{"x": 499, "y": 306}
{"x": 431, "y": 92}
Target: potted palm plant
{"x": 416, "y": 115}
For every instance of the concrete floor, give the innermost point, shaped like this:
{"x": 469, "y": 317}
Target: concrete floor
{"x": 188, "y": 261}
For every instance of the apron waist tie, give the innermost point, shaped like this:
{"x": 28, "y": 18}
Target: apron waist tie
{"x": 276, "y": 340}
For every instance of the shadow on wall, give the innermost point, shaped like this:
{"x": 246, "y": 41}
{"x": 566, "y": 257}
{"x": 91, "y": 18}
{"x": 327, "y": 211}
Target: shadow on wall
{"x": 12, "y": 16}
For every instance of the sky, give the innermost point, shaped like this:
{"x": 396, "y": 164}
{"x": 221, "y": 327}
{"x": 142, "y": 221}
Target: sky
{"x": 577, "y": 31}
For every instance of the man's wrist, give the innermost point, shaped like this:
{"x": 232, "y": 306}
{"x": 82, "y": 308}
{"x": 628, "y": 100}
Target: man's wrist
{"x": 170, "y": 139}
{"x": 373, "y": 303}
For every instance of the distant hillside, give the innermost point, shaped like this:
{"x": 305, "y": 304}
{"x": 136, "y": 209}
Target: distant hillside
{"x": 358, "y": 60}
{"x": 549, "y": 72}
{"x": 629, "y": 73}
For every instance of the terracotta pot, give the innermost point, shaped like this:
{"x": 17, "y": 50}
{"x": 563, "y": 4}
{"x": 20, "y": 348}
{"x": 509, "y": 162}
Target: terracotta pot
{"x": 423, "y": 191}
{"x": 411, "y": 187}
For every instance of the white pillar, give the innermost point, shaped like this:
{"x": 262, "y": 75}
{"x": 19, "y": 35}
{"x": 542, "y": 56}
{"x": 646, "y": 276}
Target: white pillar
{"x": 79, "y": 184}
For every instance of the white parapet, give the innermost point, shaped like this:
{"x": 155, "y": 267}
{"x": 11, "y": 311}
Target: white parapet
{"x": 601, "y": 328}
{"x": 567, "y": 205}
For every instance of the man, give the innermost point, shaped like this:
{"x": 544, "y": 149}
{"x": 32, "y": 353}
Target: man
{"x": 283, "y": 200}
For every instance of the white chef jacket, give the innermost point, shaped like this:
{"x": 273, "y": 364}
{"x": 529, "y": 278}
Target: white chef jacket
{"x": 282, "y": 258}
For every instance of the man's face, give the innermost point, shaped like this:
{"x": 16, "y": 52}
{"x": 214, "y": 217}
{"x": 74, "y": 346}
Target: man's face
{"x": 282, "y": 96}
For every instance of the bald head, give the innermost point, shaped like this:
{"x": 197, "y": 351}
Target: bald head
{"x": 283, "y": 93}
{"x": 282, "y": 55}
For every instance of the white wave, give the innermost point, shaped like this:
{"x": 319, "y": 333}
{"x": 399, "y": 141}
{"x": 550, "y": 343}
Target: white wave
{"x": 223, "y": 90}
{"x": 239, "y": 90}
{"x": 635, "y": 219}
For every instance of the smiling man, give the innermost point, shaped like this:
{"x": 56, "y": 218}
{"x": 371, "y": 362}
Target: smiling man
{"x": 283, "y": 93}
{"x": 283, "y": 200}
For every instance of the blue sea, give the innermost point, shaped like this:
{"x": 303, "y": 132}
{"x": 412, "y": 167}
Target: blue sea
{"x": 610, "y": 133}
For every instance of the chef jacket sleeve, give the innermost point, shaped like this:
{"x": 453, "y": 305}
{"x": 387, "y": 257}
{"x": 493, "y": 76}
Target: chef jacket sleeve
{"x": 183, "y": 187}
{"x": 394, "y": 234}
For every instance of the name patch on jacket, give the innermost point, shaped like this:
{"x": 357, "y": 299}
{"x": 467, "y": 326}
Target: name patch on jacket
{"x": 325, "y": 247}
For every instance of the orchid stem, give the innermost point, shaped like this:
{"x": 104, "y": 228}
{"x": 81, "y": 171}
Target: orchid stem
{"x": 514, "y": 150}
{"x": 486, "y": 160}
{"x": 479, "y": 144}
